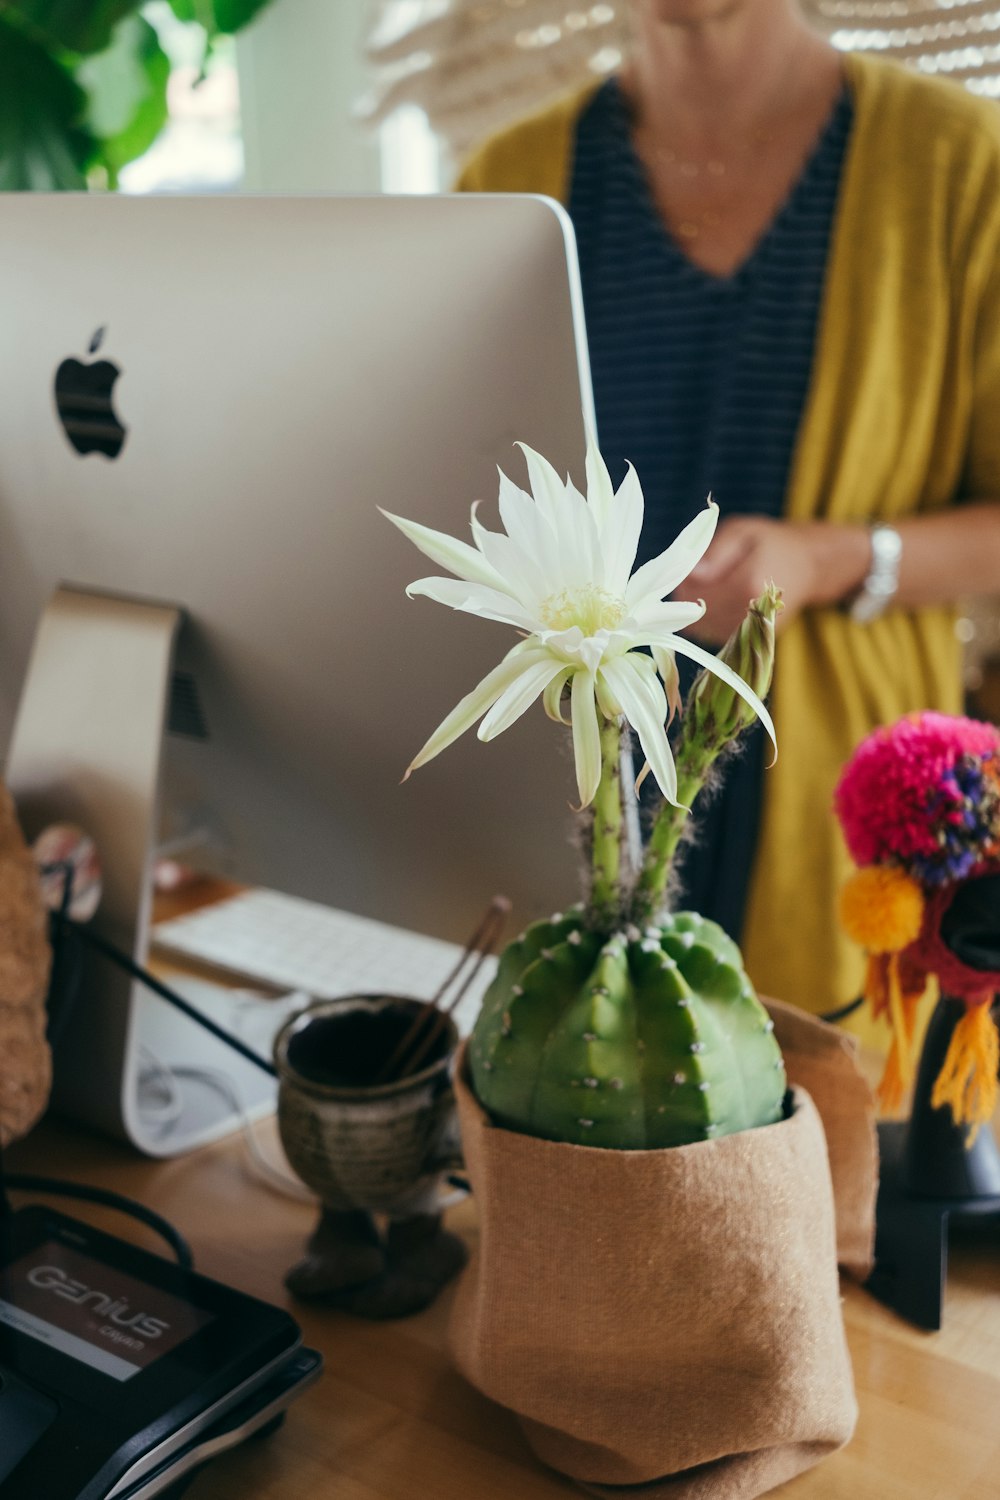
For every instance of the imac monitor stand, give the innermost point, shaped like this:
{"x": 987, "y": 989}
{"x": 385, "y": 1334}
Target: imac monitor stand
{"x": 204, "y": 634}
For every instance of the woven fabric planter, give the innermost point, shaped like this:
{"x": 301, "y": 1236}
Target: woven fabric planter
{"x": 822, "y": 1060}
{"x": 25, "y": 1065}
{"x": 666, "y": 1318}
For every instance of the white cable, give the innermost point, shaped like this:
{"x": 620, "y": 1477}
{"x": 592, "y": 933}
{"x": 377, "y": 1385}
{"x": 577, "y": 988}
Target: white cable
{"x": 162, "y": 1116}
{"x": 273, "y": 1176}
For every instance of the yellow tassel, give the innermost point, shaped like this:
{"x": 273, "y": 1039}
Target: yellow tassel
{"x": 876, "y": 985}
{"x": 882, "y": 908}
{"x": 884, "y": 991}
{"x": 968, "y": 1079}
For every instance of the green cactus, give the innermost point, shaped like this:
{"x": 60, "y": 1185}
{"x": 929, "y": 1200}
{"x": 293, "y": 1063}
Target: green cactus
{"x": 618, "y": 1025}
{"x": 644, "y": 1039}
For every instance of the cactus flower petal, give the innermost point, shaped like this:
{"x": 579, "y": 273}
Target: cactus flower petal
{"x": 645, "y": 706}
{"x": 735, "y": 681}
{"x": 600, "y": 490}
{"x": 473, "y": 705}
{"x": 522, "y": 573}
{"x": 666, "y": 665}
{"x": 515, "y": 699}
{"x": 552, "y": 696}
{"x": 448, "y": 552}
{"x": 586, "y": 737}
{"x": 473, "y": 599}
{"x": 528, "y": 525}
{"x": 656, "y": 579}
{"x": 620, "y": 533}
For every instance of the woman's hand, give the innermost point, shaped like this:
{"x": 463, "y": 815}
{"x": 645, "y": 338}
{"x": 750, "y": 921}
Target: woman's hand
{"x": 810, "y": 562}
{"x": 951, "y": 554}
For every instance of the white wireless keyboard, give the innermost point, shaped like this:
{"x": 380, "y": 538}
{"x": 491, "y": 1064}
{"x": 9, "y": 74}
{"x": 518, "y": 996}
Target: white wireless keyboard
{"x": 264, "y": 937}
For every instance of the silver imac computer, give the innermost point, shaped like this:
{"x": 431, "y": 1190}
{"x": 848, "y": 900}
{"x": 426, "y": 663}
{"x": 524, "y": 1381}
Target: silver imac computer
{"x": 204, "y": 635}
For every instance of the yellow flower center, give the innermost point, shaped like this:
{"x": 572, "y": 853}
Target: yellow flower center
{"x": 590, "y": 607}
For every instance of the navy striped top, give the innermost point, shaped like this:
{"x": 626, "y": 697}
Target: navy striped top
{"x": 700, "y": 381}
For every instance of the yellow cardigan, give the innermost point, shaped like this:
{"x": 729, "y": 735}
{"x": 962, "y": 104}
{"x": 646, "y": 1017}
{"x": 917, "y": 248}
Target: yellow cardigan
{"x": 902, "y": 416}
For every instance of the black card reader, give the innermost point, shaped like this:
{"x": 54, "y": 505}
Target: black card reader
{"x": 120, "y": 1370}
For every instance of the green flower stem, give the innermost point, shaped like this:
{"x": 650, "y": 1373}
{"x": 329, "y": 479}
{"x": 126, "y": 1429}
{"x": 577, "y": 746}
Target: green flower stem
{"x": 693, "y": 765}
{"x": 605, "y": 897}
{"x": 714, "y": 716}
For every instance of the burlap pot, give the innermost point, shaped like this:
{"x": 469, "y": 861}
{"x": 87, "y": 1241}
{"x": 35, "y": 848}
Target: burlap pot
{"x": 823, "y": 1060}
{"x": 25, "y": 1065}
{"x": 666, "y": 1318}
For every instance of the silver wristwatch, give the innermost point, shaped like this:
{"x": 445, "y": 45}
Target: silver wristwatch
{"x": 879, "y": 588}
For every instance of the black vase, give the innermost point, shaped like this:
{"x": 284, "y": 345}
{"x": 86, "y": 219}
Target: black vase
{"x": 938, "y": 1161}
{"x": 930, "y": 1175}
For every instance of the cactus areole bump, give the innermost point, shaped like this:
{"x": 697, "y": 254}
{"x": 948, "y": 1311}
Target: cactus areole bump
{"x": 621, "y": 1024}
{"x": 645, "y": 1039}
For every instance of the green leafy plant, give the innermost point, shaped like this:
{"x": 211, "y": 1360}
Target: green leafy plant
{"x": 83, "y": 85}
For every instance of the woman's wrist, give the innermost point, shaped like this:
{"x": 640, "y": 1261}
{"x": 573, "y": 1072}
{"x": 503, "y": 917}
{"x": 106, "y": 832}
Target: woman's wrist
{"x": 841, "y": 561}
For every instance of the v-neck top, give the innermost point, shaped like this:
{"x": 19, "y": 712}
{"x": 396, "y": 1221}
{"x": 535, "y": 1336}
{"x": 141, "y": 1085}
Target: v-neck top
{"x": 700, "y": 382}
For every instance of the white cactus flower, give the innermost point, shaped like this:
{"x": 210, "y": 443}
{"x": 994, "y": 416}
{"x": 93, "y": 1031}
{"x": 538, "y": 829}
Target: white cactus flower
{"x": 561, "y": 574}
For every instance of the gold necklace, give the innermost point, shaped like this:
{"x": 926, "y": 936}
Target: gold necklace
{"x": 714, "y": 166}
{"x": 715, "y": 172}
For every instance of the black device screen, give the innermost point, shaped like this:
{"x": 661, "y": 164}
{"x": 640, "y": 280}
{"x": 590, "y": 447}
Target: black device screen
{"x": 89, "y": 1317}
{"x": 125, "y": 1347}
{"x": 92, "y": 1311}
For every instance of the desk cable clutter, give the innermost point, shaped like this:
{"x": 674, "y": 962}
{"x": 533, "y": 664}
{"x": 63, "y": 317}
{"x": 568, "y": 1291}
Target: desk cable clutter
{"x": 73, "y": 897}
{"x": 121, "y": 1373}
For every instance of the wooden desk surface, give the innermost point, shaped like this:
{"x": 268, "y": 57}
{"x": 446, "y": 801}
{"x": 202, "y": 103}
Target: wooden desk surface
{"x": 390, "y": 1420}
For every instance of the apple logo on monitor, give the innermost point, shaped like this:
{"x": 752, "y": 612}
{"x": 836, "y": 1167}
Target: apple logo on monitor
{"x": 84, "y": 392}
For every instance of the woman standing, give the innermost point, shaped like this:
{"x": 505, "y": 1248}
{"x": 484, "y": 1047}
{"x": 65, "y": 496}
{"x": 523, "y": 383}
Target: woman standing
{"x": 791, "y": 271}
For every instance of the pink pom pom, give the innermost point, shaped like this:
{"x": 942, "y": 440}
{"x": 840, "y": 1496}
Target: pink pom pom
{"x": 898, "y": 787}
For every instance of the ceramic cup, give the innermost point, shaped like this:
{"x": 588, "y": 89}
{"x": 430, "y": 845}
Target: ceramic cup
{"x": 359, "y": 1144}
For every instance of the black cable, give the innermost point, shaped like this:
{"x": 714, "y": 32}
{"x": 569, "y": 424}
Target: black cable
{"x": 5, "y": 1204}
{"x": 67, "y": 955}
{"x": 166, "y": 993}
{"x": 27, "y": 1182}
{"x": 832, "y": 1016}
{"x": 63, "y": 924}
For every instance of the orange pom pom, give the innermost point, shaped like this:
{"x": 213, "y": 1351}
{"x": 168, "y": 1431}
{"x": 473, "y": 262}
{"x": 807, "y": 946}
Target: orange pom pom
{"x": 881, "y": 908}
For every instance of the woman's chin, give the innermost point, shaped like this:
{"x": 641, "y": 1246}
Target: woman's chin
{"x": 684, "y": 12}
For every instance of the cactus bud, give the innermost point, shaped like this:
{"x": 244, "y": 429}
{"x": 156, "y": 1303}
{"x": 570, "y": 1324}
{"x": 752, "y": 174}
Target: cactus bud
{"x": 715, "y": 714}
